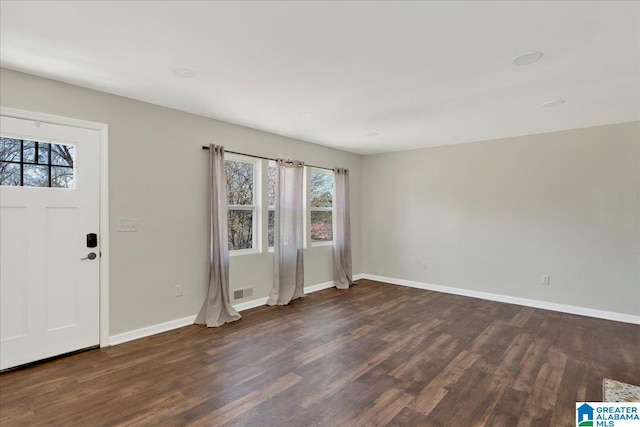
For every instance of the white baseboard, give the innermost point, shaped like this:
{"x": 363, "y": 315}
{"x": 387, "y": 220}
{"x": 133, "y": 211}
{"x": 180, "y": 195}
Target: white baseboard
{"x": 251, "y": 304}
{"x": 564, "y": 308}
{"x": 263, "y": 301}
{"x": 151, "y": 330}
{"x": 583, "y": 311}
{"x": 186, "y": 321}
{"x": 318, "y": 287}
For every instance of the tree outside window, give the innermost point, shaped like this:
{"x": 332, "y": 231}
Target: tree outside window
{"x": 25, "y": 163}
{"x": 271, "y": 202}
{"x": 321, "y": 205}
{"x": 241, "y": 206}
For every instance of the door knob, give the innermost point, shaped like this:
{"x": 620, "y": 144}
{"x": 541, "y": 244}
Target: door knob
{"x": 90, "y": 255}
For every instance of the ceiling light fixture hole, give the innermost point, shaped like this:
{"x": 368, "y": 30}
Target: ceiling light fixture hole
{"x": 527, "y": 58}
{"x": 554, "y": 103}
{"x": 184, "y": 72}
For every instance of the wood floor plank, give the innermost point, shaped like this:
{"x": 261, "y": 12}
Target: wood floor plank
{"x": 377, "y": 354}
{"x": 383, "y": 409}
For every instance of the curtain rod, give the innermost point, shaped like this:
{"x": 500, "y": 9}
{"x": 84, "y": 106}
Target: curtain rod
{"x": 204, "y": 147}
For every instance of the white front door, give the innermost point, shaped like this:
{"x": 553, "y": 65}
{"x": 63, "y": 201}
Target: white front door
{"x": 49, "y": 203}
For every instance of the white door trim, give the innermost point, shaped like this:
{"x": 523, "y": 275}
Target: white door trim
{"x": 103, "y": 129}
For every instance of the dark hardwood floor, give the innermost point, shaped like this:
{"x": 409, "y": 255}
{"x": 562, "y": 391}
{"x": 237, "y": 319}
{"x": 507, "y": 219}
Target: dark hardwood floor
{"x": 376, "y": 354}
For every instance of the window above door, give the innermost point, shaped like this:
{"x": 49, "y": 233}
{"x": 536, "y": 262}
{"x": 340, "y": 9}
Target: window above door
{"x": 26, "y": 163}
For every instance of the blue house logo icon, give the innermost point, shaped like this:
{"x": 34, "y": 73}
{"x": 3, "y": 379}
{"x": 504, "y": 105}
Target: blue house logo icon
{"x": 585, "y": 415}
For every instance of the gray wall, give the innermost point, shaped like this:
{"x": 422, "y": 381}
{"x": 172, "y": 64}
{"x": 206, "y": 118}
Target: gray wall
{"x": 494, "y": 216}
{"x": 490, "y": 216}
{"x": 158, "y": 175}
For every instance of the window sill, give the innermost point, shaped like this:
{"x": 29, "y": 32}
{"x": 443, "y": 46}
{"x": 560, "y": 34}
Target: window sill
{"x": 318, "y": 244}
{"x": 239, "y": 252}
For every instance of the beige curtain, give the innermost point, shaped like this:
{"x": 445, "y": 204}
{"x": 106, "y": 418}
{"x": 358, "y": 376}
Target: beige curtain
{"x": 342, "y": 277}
{"x": 217, "y": 309}
{"x": 288, "y": 268}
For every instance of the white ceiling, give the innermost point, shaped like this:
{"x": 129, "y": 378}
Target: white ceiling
{"x": 418, "y": 74}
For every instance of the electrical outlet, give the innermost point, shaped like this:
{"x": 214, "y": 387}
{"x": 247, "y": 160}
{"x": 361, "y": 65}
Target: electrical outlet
{"x": 178, "y": 290}
{"x": 545, "y": 279}
{"x": 424, "y": 265}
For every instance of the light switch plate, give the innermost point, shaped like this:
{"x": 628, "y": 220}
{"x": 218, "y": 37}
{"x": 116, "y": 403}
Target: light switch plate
{"x": 128, "y": 224}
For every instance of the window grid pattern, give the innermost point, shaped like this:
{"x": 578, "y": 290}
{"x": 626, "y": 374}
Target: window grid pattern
{"x": 25, "y": 163}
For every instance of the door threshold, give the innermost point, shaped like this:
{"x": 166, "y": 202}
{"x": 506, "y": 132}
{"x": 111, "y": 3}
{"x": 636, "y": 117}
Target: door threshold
{"x": 49, "y": 359}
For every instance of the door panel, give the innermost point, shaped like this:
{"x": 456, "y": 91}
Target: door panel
{"x": 49, "y": 296}
{"x": 61, "y": 237}
{"x": 13, "y": 269}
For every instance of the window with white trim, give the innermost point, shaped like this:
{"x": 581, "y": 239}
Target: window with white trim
{"x": 243, "y": 211}
{"x": 321, "y": 205}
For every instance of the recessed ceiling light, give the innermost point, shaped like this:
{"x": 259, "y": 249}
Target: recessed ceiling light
{"x": 371, "y": 134}
{"x": 527, "y": 58}
{"x": 184, "y": 72}
{"x": 553, "y": 103}
{"x": 305, "y": 115}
